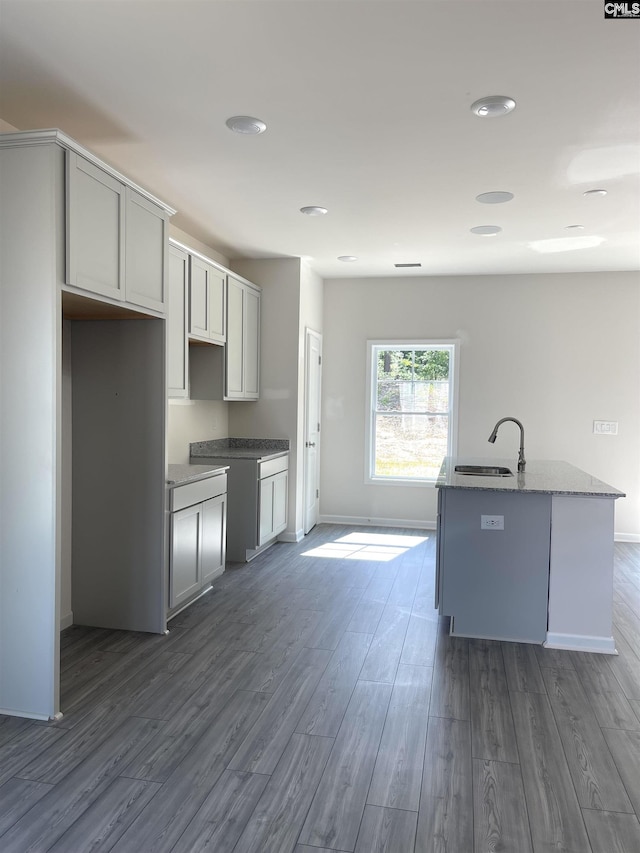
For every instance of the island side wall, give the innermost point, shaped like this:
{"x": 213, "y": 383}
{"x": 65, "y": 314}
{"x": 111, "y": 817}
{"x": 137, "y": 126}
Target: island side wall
{"x": 581, "y": 575}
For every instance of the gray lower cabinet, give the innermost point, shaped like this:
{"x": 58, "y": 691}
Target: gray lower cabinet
{"x": 258, "y": 503}
{"x": 272, "y": 506}
{"x": 494, "y": 582}
{"x": 197, "y": 537}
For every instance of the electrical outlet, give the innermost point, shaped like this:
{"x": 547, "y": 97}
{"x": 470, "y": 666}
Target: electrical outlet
{"x": 605, "y": 427}
{"x": 492, "y": 522}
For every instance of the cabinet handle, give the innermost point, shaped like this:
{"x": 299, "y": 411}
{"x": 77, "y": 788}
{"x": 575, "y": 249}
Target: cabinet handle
{"x": 310, "y": 444}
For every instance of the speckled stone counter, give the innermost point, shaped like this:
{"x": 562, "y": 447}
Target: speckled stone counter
{"x": 179, "y": 474}
{"x": 540, "y": 476}
{"x": 259, "y": 449}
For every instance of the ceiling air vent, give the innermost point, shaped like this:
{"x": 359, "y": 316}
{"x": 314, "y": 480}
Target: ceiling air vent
{"x": 405, "y": 266}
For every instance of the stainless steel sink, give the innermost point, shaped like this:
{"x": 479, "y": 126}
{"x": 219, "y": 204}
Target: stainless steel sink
{"x": 484, "y": 470}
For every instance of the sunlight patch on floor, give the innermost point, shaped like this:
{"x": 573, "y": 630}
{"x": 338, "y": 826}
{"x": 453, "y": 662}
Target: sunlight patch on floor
{"x": 360, "y": 545}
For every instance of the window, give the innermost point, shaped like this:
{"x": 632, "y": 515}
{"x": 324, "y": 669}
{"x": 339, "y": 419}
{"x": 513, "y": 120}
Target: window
{"x": 412, "y": 409}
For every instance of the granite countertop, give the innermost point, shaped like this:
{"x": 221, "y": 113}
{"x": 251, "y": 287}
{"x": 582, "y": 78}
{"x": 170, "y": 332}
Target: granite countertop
{"x": 180, "y": 474}
{"x": 542, "y": 476}
{"x": 258, "y": 449}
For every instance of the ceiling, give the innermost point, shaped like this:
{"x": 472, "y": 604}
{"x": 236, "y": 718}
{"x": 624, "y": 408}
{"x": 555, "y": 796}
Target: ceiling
{"x": 367, "y": 106}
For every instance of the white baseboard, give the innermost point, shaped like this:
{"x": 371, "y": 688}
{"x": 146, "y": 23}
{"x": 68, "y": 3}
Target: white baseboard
{"x": 293, "y": 537}
{"x": 417, "y": 523}
{"x": 627, "y": 537}
{"x": 66, "y": 621}
{"x": 581, "y": 643}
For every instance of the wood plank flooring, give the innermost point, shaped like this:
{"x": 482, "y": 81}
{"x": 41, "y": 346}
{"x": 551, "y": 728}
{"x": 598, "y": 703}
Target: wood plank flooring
{"x": 314, "y": 702}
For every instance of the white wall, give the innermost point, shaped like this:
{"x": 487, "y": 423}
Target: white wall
{"x": 182, "y": 237}
{"x": 194, "y": 420}
{"x": 555, "y": 351}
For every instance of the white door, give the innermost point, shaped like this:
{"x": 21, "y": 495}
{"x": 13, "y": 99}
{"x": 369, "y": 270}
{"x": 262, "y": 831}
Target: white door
{"x": 313, "y": 375}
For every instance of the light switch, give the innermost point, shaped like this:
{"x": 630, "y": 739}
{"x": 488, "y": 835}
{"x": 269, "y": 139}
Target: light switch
{"x": 605, "y": 427}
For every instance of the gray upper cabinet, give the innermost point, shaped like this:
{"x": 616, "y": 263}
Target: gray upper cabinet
{"x": 243, "y": 341}
{"x": 146, "y": 248}
{"x": 232, "y": 372}
{"x": 116, "y": 238}
{"x": 95, "y": 228}
{"x": 177, "y": 343}
{"x": 207, "y": 302}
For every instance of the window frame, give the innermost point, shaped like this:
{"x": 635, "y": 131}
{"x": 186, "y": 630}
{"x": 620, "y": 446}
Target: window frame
{"x": 373, "y": 347}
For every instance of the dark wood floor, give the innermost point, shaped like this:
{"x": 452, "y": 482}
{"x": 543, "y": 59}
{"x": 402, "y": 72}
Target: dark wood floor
{"x": 312, "y": 702}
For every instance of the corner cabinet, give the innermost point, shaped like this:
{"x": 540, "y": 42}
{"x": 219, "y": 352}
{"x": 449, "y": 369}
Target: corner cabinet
{"x": 116, "y": 237}
{"x": 257, "y": 502}
{"x": 197, "y": 537}
{"x": 222, "y": 322}
{"x": 242, "y": 356}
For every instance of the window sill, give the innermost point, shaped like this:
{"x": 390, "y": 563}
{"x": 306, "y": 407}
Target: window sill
{"x": 390, "y": 481}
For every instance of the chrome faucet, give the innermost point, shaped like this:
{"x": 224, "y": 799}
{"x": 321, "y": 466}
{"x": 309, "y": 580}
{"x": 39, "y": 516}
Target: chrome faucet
{"x": 494, "y": 435}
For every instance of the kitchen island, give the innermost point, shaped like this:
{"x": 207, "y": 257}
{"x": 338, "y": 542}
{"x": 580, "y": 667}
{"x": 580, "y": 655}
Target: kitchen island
{"x": 526, "y": 557}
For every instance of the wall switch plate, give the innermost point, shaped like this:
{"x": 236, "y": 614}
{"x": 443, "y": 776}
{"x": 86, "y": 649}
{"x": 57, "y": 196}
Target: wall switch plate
{"x": 605, "y": 427}
{"x": 492, "y": 522}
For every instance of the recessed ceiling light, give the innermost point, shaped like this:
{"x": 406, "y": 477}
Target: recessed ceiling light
{"x": 494, "y": 197}
{"x": 486, "y": 230}
{"x": 314, "y": 210}
{"x": 493, "y": 106}
{"x": 246, "y": 124}
{"x": 574, "y": 227}
{"x": 595, "y": 192}
{"x": 348, "y": 259}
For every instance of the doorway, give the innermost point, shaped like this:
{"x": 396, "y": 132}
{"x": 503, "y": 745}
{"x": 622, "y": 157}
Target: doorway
{"x": 313, "y": 385}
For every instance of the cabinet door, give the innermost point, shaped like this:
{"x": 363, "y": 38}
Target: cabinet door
{"x": 217, "y": 305}
{"x": 251, "y": 343}
{"x": 242, "y": 353}
{"x": 207, "y": 316}
{"x": 280, "y": 491}
{"x": 95, "y": 228}
{"x": 177, "y": 343}
{"x": 494, "y": 583}
{"x": 214, "y": 536}
{"x": 272, "y": 510}
{"x": 185, "y": 568}
{"x": 145, "y": 252}
{"x": 234, "y": 368}
{"x": 199, "y": 299}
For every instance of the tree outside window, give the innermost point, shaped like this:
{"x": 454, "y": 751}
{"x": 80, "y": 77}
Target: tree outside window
{"x": 412, "y": 394}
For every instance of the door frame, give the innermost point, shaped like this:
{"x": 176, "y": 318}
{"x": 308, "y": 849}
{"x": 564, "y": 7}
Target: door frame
{"x": 310, "y": 335}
